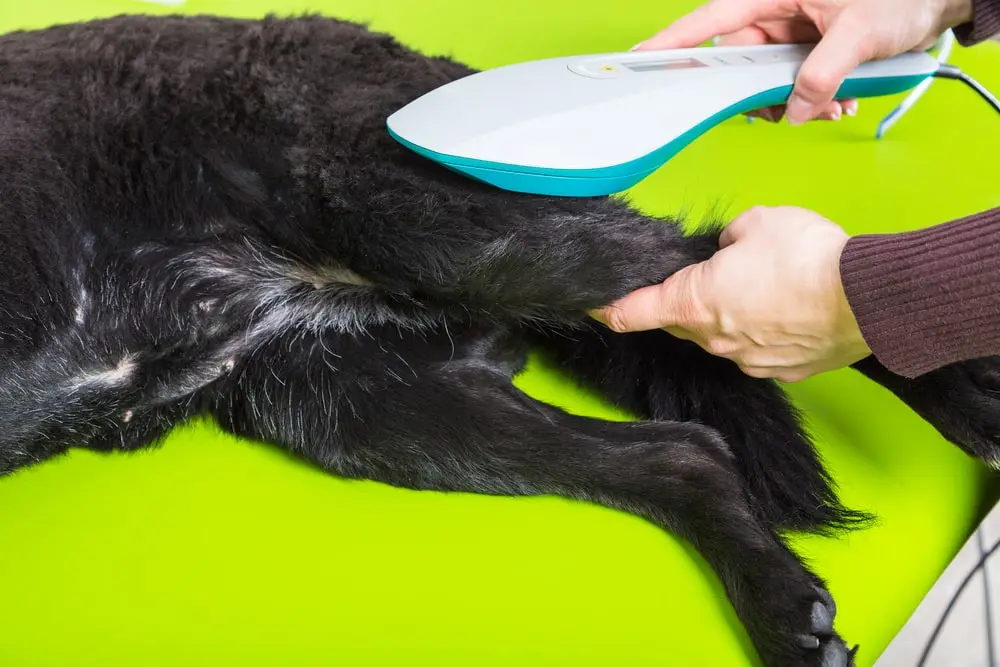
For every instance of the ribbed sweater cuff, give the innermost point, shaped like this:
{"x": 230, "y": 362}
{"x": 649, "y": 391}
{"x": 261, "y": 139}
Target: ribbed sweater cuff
{"x": 927, "y": 298}
{"x": 985, "y": 23}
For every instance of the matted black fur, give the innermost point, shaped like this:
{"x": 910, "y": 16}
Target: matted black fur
{"x": 207, "y": 216}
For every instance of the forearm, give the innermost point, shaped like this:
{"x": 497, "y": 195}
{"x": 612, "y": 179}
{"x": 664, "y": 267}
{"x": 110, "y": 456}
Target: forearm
{"x": 930, "y": 297}
{"x": 985, "y": 23}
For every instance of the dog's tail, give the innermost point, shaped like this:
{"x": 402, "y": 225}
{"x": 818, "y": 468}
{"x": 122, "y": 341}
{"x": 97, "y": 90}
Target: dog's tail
{"x": 787, "y": 482}
{"x": 654, "y": 375}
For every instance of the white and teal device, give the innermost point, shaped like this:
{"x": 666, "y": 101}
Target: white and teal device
{"x": 598, "y": 124}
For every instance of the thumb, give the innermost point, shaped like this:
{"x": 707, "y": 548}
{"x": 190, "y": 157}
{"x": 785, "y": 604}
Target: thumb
{"x": 652, "y": 307}
{"x": 844, "y": 46}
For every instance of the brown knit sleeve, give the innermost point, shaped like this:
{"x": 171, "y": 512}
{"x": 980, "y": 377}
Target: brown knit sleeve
{"x": 985, "y": 23}
{"x": 930, "y": 297}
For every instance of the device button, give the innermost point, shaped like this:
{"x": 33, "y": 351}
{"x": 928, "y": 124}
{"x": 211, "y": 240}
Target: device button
{"x": 596, "y": 70}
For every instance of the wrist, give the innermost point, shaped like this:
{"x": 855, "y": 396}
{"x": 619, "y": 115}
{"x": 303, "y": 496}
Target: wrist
{"x": 848, "y": 334}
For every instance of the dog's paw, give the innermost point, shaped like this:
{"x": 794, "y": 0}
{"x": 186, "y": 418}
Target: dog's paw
{"x": 805, "y": 635}
{"x": 821, "y": 645}
{"x": 961, "y": 401}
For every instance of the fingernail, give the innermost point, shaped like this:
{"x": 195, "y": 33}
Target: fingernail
{"x": 851, "y": 107}
{"x": 637, "y": 45}
{"x": 797, "y": 110}
{"x": 599, "y": 316}
{"x": 836, "y": 114}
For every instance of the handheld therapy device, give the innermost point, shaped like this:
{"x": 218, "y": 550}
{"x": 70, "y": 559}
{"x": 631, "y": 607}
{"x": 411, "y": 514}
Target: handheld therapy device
{"x": 598, "y": 124}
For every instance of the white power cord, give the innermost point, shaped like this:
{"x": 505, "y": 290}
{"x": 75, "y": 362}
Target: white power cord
{"x": 944, "y": 46}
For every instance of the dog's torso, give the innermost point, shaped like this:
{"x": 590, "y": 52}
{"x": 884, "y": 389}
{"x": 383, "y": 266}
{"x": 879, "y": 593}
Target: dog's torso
{"x": 186, "y": 191}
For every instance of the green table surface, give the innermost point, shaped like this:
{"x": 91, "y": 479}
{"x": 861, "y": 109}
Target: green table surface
{"x": 218, "y": 551}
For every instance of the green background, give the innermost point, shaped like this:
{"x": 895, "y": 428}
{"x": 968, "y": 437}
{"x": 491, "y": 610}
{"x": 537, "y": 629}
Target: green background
{"x": 217, "y": 551}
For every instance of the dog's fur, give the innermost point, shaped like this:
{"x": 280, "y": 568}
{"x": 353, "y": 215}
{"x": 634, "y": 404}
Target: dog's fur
{"x": 207, "y": 216}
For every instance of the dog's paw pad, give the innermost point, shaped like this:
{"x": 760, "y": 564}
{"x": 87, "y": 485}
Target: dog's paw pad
{"x": 821, "y": 622}
{"x": 816, "y": 642}
{"x": 835, "y": 654}
{"x": 827, "y": 599}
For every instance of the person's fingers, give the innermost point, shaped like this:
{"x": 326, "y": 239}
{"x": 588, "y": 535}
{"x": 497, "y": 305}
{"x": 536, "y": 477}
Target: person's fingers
{"x": 740, "y": 226}
{"x": 845, "y": 46}
{"x": 833, "y": 111}
{"x": 732, "y": 232}
{"x": 761, "y": 372}
{"x": 716, "y": 17}
{"x": 779, "y": 356}
{"x": 680, "y": 332}
{"x": 789, "y": 29}
{"x": 786, "y": 375}
{"x": 772, "y": 114}
{"x": 793, "y": 375}
{"x": 749, "y": 36}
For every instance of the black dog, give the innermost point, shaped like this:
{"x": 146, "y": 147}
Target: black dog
{"x": 207, "y": 216}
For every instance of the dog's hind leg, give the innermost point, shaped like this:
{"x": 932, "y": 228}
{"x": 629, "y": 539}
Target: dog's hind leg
{"x": 657, "y": 376}
{"x": 440, "y": 413}
{"x": 115, "y": 370}
{"x": 61, "y": 396}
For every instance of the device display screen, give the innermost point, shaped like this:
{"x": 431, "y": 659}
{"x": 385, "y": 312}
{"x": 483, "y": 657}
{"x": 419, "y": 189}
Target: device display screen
{"x": 685, "y": 63}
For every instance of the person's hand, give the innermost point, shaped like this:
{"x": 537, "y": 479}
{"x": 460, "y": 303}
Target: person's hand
{"x": 771, "y": 299}
{"x": 848, "y": 32}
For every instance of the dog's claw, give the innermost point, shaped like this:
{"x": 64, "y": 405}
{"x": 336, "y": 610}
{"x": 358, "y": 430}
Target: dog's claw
{"x": 809, "y": 641}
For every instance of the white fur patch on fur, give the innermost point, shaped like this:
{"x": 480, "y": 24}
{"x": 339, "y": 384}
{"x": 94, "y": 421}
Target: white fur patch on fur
{"x": 321, "y": 277}
{"x": 270, "y": 295}
{"x": 336, "y": 299}
{"x": 109, "y": 378}
{"x": 82, "y": 303}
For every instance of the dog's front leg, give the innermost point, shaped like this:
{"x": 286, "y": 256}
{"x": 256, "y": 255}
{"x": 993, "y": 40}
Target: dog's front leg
{"x": 437, "y": 411}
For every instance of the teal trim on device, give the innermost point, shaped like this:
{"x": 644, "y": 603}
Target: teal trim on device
{"x": 617, "y": 178}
